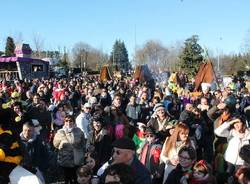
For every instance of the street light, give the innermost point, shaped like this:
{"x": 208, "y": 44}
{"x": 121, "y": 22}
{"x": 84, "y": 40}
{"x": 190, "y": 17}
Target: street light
{"x": 218, "y": 57}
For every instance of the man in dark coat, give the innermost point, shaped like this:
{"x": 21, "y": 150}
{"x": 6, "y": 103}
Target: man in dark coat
{"x": 35, "y": 152}
{"x": 124, "y": 152}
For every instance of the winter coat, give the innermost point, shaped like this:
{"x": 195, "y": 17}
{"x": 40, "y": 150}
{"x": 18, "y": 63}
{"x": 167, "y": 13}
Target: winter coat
{"x": 102, "y": 144}
{"x": 71, "y": 147}
{"x": 142, "y": 174}
{"x": 235, "y": 142}
{"x": 244, "y": 103}
{"x": 150, "y": 157}
{"x": 175, "y": 176}
{"x": 35, "y": 153}
{"x": 187, "y": 118}
{"x": 133, "y": 112}
{"x": 82, "y": 122}
{"x": 161, "y": 128}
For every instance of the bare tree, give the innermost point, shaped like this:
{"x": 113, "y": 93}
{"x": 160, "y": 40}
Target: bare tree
{"x": 18, "y": 37}
{"x": 86, "y": 57}
{"x": 246, "y": 42}
{"x": 152, "y": 53}
{"x": 38, "y": 43}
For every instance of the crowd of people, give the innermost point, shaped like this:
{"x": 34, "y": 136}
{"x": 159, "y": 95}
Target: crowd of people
{"x": 83, "y": 130}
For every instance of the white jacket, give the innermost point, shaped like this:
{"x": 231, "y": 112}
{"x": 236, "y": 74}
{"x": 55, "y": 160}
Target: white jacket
{"x": 82, "y": 122}
{"x": 235, "y": 142}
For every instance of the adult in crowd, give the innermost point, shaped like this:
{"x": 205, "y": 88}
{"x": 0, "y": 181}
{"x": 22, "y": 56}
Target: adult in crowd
{"x": 39, "y": 112}
{"x": 133, "y": 110}
{"x": 35, "y": 154}
{"x": 183, "y": 171}
{"x": 19, "y": 117}
{"x": 160, "y": 122}
{"x": 99, "y": 139}
{"x": 83, "y": 119}
{"x": 124, "y": 152}
{"x": 187, "y": 116}
{"x": 105, "y": 98}
{"x": 237, "y": 135}
{"x": 70, "y": 143}
{"x": 172, "y": 145}
{"x": 116, "y": 118}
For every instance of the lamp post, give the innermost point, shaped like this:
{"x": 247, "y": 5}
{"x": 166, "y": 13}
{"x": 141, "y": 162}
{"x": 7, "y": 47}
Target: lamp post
{"x": 218, "y": 61}
{"x": 218, "y": 57}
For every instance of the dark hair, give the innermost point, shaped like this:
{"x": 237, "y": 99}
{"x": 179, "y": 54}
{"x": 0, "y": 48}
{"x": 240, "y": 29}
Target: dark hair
{"x": 124, "y": 171}
{"x": 246, "y": 176}
{"x": 18, "y": 104}
{"x": 244, "y": 153}
{"x": 190, "y": 150}
{"x": 84, "y": 171}
{"x": 94, "y": 155}
{"x": 69, "y": 117}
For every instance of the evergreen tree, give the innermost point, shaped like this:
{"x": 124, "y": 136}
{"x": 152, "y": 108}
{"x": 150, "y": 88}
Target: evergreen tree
{"x": 119, "y": 56}
{"x": 10, "y": 47}
{"x": 64, "y": 61}
{"x": 191, "y": 56}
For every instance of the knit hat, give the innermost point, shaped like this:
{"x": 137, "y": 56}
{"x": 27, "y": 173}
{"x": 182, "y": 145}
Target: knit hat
{"x": 124, "y": 143}
{"x": 149, "y": 130}
{"x": 158, "y": 106}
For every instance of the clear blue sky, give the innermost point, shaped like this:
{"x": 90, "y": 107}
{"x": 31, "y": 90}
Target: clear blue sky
{"x": 221, "y": 24}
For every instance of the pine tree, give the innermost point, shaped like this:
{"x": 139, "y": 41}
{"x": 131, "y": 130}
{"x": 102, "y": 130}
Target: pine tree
{"x": 191, "y": 56}
{"x": 10, "y": 47}
{"x": 119, "y": 56}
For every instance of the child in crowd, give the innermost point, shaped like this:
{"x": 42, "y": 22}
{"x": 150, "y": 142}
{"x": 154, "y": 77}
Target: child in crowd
{"x": 202, "y": 174}
{"x": 84, "y": 174}
{"x": 91, "y": 160}
{"x": 59, "y": 117}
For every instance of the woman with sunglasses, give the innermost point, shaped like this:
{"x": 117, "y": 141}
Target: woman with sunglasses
{"x": 172, "y": 145}
{"x": 70, "y": 142}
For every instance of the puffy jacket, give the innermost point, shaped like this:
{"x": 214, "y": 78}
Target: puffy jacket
{"x": 71, "y": 147}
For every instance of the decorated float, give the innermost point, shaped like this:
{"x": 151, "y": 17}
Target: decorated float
{"x": 22, "y": 66}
